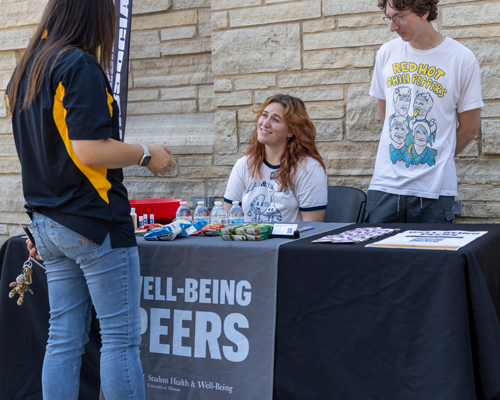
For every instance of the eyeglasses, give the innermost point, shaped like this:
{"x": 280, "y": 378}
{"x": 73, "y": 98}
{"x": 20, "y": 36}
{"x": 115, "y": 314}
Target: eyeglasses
{"x": 398, "y": 19}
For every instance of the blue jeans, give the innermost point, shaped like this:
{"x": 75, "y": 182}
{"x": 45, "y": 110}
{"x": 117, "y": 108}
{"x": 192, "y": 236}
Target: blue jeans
{"x": 81, "y": 273}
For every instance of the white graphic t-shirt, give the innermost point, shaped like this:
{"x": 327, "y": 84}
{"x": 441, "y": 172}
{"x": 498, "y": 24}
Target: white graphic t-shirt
{"x": 264, "y": 200}
{"x": 423, "y": 90}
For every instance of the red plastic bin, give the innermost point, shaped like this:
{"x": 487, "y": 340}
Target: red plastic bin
{"x": 163, "y": 209}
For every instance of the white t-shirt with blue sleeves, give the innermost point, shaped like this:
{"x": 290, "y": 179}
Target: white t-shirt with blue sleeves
{"x": 264, "y": 200}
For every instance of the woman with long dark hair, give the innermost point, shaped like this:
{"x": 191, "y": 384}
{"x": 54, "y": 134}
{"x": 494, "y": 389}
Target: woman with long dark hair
{"x": 65, "y": 125}
{"x": 282, "y": 177}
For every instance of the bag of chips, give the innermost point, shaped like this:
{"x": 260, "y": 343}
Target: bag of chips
{"x": 176, "y": 228}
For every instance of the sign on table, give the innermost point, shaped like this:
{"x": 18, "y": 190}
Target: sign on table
{"x": 208, "y": 336}
{"x": 429, "y": 240}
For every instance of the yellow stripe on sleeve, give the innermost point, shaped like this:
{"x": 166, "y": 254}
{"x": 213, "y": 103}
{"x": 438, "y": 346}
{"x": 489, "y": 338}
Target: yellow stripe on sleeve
{"x": 110, "y": 103}
{"x": 96, "y": 176}
{"x": 8, "y": 104}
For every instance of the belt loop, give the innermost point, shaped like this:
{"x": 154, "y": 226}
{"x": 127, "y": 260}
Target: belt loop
{"x": 421, "y": 206}
{"x": 399, "y": 197}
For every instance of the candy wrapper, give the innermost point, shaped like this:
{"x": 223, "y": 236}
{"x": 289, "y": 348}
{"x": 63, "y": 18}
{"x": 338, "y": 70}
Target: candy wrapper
{"x": 177, "y": 228}
{"x": 211, "y": 229}
{"x": 141, "y": 230}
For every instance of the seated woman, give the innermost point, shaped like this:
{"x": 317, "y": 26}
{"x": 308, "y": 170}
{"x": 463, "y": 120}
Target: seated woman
{"x": 282, "y": 177}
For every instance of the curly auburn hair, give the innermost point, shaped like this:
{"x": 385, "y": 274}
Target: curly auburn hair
{"x": 302, "y": 143}
{"x": 418, "y": 7}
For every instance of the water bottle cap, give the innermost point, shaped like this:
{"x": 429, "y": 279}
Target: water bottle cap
{"x": 201, "y": 202}
{"x": 132, "y": 211}
{"x": 236, "y": 203}
{"x": 182, "y": 202}
{"x": 218, "y": 203}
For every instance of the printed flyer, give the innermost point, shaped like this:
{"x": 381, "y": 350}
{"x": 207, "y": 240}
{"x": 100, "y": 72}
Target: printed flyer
{"x": 430, "y": 240}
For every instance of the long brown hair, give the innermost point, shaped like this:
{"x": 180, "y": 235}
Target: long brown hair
{"x": 302, "y": 143}
{"x": 88, "y": 25}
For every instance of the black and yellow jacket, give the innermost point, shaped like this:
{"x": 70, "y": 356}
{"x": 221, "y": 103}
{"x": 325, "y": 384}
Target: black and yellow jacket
{"x": 74, "y": 103}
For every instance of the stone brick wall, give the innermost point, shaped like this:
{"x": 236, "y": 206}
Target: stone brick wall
{"x": 199, "y": 66}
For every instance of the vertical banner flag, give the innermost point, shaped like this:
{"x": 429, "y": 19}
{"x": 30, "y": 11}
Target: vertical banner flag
{"x": 118, "y": 76}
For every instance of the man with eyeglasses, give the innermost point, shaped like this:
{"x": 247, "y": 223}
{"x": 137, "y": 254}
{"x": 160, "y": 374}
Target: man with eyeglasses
{"x": 446, "y": 74}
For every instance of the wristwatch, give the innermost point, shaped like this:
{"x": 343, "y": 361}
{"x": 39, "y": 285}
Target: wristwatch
{"x": 146, "y": 157}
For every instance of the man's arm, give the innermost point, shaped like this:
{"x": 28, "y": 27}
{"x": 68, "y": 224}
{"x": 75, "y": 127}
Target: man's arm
{"x": 381, "y": 109}
{"x": 468, "y": 126}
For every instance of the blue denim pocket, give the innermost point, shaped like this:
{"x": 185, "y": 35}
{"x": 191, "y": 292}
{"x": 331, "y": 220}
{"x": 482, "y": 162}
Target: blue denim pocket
{"x": 72, "y": 244}
{"x": 41, "y": 248}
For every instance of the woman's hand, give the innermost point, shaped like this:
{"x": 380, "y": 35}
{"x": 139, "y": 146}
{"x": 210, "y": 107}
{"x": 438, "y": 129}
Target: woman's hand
{"x": 32, "y": 250}
{"x": 161, "y": 159}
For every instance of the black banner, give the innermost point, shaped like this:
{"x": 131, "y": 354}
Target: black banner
{"x": 119, "y": 64}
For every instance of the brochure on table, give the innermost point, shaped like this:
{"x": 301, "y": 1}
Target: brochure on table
{"x": 429, "y": 240}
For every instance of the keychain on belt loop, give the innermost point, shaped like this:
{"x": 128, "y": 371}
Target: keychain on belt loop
{"x": 22, "y": 282}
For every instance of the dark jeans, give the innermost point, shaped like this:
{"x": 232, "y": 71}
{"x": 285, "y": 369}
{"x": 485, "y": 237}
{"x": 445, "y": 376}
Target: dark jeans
{"x": 386, "y": 207}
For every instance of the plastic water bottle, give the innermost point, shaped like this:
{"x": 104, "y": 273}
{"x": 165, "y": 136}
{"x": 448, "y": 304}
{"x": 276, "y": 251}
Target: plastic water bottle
{"x": 134, "y": 217}
{"x": 219, "y": 215}
{"x": 236, "y": 215}
{"x": 183, "y": 212}
{"x": 201, "y": 213}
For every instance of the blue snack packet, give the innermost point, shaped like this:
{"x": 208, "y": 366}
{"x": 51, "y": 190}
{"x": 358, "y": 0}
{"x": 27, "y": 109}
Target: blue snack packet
{"x": 179, "y": 228}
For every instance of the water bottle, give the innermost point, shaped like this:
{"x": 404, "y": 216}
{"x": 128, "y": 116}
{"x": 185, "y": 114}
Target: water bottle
{"x": 183, "y": 212}
{"x": 219, "y": 215}
{"x": 236, "y": 215}
{"x": 201, "y": 213}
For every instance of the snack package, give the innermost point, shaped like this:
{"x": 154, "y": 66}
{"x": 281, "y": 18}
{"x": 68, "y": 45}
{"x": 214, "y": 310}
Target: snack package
{"x": 256, "y": 238}
{"x": 258, "y": 229}
{"x": 150, "y": 226}
{"x": 141, "y": 230}
{"x": 211, "y": 229}
{"x": 245, "y": 237}
{"x": 177, "y": 228}
{"x": 240, "y": 230}
{"x": 232, "y": 229}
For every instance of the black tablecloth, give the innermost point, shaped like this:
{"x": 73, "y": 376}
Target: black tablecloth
{"x": 24, "y": 332}
{"x": 353, "y": 323}
{"x": 373, "y": 323}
